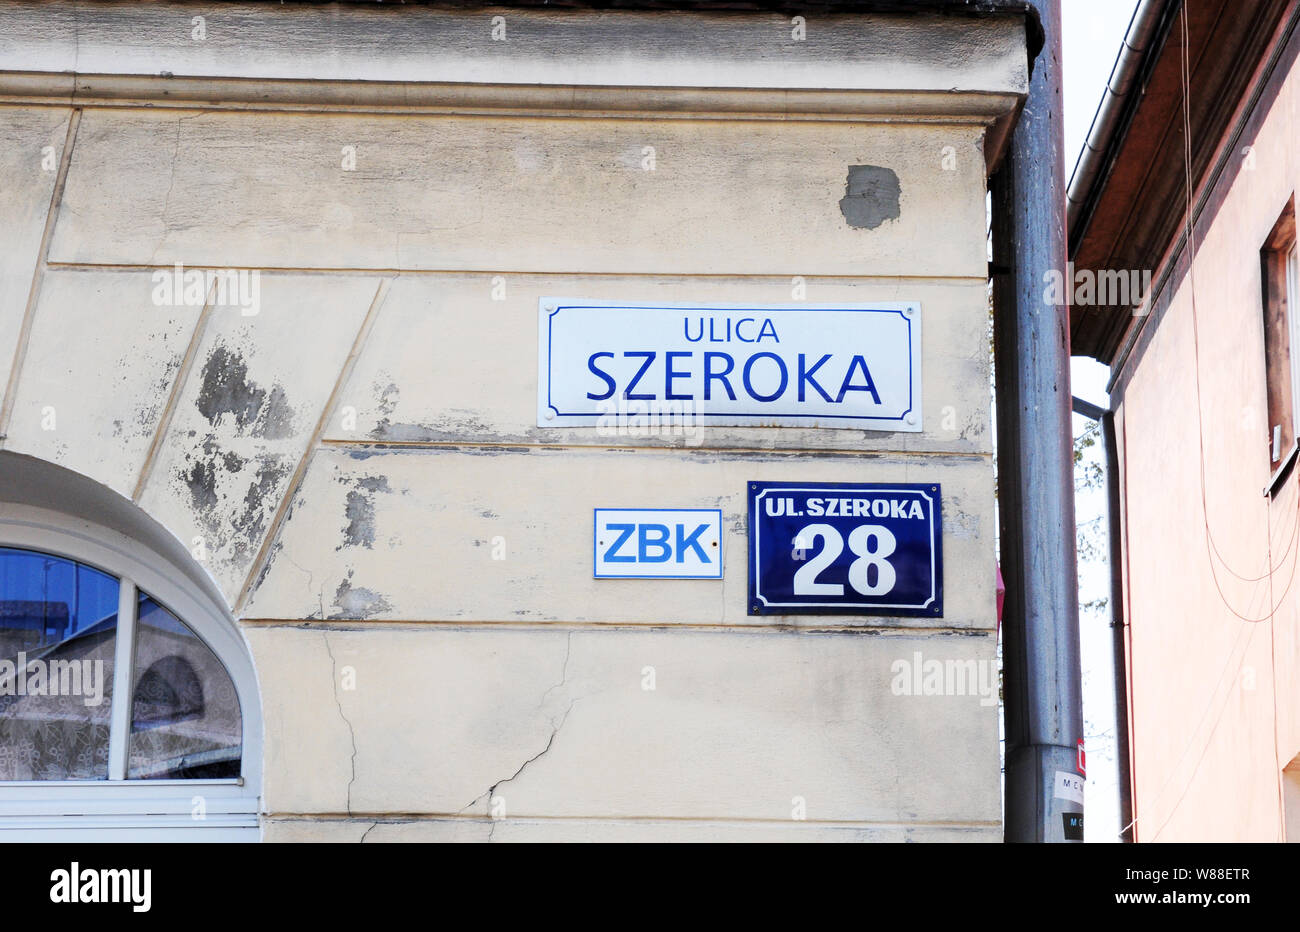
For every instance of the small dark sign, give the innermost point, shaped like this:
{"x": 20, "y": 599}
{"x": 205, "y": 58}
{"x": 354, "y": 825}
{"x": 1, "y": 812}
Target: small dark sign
{"x": 1073, "y": 825}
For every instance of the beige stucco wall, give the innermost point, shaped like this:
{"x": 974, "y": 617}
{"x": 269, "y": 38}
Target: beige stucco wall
{"x": 347, "y": 462}
{"x": 1214, "y": 642}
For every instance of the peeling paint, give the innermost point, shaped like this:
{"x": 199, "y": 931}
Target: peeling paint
{"x": 251, "y": 523}
{"x": 965, "y": 526}
{"x": 201, "y": 480}
{"x": 227, "y": 390}
{"x": 357, "y": 602}
{"x": 209, "y": 472}
{"x": 360, "y": 512}
{"x": 277, "y": 417}
{"x": 449, "y": 430}
{"x": 388, "y": 395}
{"x": 456, "y": 424}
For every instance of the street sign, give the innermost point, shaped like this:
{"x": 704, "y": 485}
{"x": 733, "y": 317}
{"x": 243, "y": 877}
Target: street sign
{"x": 657, "y": 543}
{"x": 852, "y": 366}
{"x": 848, "y": 548}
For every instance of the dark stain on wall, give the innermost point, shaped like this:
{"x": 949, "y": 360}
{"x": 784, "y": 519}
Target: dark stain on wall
{"x": 387, "y": 397}
{"x": 277, "y": 416}
{"x": 250, "y": 524}
{"x": 208, "y": 474}
{"x": 227, "y": 390}
{"x": 201, "y": 480}
{"x": 871, "y": 196}
{"x": 360, "y": 512}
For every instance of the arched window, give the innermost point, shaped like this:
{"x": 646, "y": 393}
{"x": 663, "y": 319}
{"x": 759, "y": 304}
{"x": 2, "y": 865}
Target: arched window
{"x": 128, "y": 702}
{"x": 60, "y": 622}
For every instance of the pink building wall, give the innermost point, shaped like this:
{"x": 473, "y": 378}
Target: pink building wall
{"x": 1214, "y": 644}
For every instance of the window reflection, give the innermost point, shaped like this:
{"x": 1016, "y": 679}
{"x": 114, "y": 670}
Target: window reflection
{"x": 58, "y": 623}
{"x": 185, "y": 720}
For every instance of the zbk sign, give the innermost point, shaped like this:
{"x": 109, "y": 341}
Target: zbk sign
{"x": 848, "y": 548}
{"x": 657, "y": 543}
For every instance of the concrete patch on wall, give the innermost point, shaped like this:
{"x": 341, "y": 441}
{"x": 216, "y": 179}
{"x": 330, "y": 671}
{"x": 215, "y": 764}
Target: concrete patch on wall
{"x": 872, "y": 195}
{"x": 356, "y": 602}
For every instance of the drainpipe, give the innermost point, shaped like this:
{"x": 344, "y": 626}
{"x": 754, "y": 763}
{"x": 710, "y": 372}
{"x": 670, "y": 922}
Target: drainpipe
{"x": 1041, "y": 678}
{"x": 1119, "y": 658}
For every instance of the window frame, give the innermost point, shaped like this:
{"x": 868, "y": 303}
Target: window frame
{"x": 1291, "y": 272}
{"x": 1278, "y": 293}
{"x": 145, "y": 810}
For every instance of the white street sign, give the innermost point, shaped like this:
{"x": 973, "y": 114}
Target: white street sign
{"x": 850, "y": 366}
{"x": 660, "y": 543}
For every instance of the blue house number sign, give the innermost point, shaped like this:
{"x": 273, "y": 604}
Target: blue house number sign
{"x": 845, "y": 548}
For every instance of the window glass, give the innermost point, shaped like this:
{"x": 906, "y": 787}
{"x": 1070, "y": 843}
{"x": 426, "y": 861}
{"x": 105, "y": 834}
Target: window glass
{"x": 58, "y": 622}
{"x": 185, "y": 721}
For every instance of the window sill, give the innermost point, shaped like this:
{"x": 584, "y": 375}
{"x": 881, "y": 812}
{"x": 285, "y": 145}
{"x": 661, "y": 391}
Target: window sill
{"x": 63, "y": 786}
{"x": 130, "y": 810}
{"x": 1283, "y": 469}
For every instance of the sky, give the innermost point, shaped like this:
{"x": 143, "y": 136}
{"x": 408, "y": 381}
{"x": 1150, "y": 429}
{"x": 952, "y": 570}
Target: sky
{"x": 1093, "y": 31}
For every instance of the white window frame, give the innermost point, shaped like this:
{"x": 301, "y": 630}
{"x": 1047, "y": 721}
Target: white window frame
{"x": 118, "y": 809}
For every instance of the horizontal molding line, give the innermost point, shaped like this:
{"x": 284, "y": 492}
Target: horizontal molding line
{"x": 561, "y": 627}
{"x": 971, "y": 107}
{"x": 857, "y": 119}
{"x": 522, "y": 273}
{"x": 411, "y": 817}
{"x": 614, "y": 448}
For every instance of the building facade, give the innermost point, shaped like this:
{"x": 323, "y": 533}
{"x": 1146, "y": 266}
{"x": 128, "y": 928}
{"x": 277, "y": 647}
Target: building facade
{"x": 1194, "y": 191}
{"x": 269, "y": 345}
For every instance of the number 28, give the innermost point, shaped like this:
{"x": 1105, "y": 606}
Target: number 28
{"x": 872, "y": 544}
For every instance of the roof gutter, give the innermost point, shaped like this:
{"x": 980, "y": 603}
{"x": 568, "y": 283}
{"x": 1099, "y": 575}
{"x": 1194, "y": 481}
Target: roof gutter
{"x": 1109, "y": 123}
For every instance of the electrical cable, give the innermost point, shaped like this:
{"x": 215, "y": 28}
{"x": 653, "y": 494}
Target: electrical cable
{"x": 1212, "y": 550}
